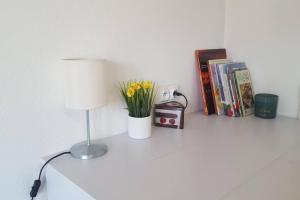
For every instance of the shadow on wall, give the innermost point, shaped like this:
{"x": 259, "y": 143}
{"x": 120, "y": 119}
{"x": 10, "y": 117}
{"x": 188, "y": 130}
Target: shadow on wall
{"x": 298, "y": 115}
{"x": 112, "y": 119}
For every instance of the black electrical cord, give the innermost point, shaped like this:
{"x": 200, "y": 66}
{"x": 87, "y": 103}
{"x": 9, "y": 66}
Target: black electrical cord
{"x": 37, "y": 183}
{"x": 175, "y": 93}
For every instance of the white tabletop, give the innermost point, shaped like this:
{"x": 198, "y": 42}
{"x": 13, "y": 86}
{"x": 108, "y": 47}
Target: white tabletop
{"x": 213, "y": 158}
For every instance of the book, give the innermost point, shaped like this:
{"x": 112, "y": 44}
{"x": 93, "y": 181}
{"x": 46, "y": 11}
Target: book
{"x": 202, "y": 57}
{"x": 238, "y": 95}
{"x": 231, "y": 68}
{"x": 225, "y": 90}
{"x": 215, "y": 84}
{"x": 245, "y": 91}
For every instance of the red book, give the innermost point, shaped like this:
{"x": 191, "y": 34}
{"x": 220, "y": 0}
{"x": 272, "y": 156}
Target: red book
{"x": 202, "y": 57}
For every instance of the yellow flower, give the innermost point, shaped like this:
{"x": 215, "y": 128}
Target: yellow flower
{"x": 132, "y": 84}
{"x": 147, "y": 85}
{"x": 130, "y": 92}
{"x": 135, "y": 85}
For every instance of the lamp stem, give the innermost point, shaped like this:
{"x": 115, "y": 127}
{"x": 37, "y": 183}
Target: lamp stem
{"x": 88, "y": 130}
{"x": 85, "y": 150}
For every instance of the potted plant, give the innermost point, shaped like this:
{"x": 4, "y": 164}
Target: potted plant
{"x": 139, "y": 98}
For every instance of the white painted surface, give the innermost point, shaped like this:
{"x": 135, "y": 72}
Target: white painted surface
{"x": 279, "y": 181}
{"x": 140, "y": 39}
{"x": 265, "y": 34}
{"x": 64, "y": 189}
{"x": 215, "y": 158}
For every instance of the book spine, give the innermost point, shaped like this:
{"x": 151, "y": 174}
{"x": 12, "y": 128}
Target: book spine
{"x": 242, "y": 112}
{"x": 201, "y": 88}
{"x": 222, "y": 96}
{"x": 233, "y": 92}
{"x": 215, "y": 89}
{"x": 228, "y": 102}
{"x": 208, "y": 95}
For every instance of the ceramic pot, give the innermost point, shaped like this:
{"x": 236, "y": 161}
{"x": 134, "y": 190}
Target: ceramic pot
{"x": 139, "y": 128}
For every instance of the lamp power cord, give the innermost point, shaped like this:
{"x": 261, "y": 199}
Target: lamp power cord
{"x": 37, "y": 183}
{"x": 176, "y": 93}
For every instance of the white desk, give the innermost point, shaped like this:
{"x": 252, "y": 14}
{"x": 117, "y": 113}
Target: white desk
{"x": 213, "y": 158}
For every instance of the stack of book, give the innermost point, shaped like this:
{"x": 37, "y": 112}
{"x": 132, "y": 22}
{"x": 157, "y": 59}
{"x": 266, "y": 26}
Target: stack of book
{"x": 225, "y": 85}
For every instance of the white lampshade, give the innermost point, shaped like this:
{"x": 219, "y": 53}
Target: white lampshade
{"x": 85, "y": 84}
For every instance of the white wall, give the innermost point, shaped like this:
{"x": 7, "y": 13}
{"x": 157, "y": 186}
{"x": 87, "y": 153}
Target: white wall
{"x": 140, "y": 39}
{"x": 265, "y": 34}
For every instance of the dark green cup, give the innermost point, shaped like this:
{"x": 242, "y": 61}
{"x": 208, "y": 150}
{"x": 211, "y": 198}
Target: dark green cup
{"x": 266, "y": 105}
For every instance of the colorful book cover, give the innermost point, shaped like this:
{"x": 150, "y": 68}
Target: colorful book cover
{"x": 231, "y": 68}
{"x": 215, "y": 85}
{"x": 202, "y": 56}
{"x": 245, "y": 91}
{"x": 225, "y": 90}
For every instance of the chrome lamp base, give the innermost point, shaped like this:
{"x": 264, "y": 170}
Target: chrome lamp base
{"x": 84, "y": 151}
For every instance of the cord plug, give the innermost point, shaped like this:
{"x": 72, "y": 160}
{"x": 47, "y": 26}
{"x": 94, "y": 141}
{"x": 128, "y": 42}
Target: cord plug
{"x": 37, "y": 183}
{"x": 176, "y": 93}
{"x": 35, "y": 188}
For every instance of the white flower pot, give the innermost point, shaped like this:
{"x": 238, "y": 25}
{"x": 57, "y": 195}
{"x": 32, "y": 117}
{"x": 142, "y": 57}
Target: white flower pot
{"x": 139, "y": 128}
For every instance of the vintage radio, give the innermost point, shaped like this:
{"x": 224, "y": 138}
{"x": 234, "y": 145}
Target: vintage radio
{"x": 169, "y": 114}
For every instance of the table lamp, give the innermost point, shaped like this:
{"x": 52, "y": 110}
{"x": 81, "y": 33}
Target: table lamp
{"x": 85, "y": 90}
